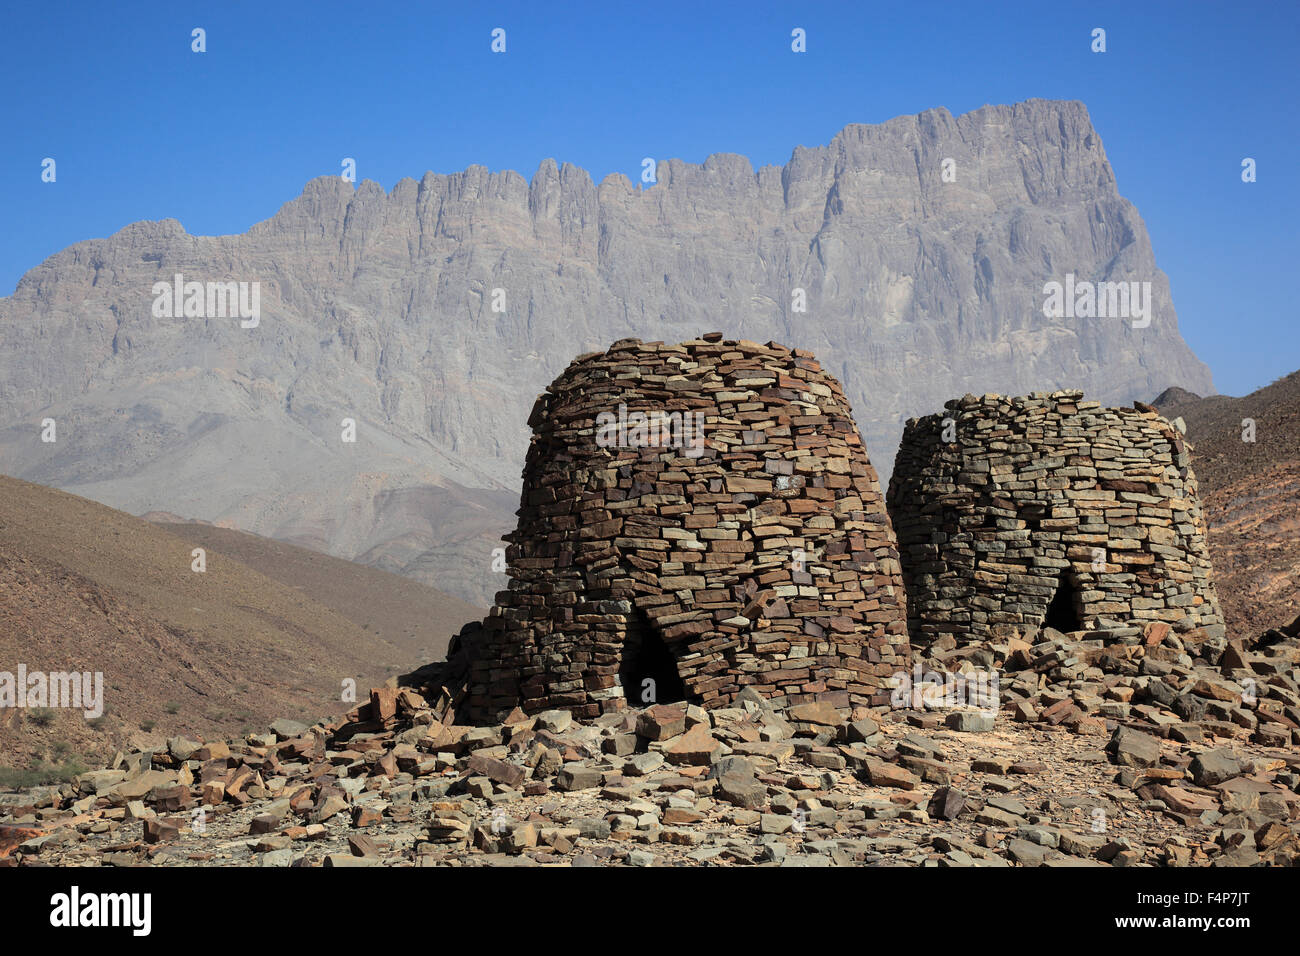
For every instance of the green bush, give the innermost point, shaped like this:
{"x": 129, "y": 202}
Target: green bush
{"x": 42, "y": 716}
{"x": 40, "y": 774}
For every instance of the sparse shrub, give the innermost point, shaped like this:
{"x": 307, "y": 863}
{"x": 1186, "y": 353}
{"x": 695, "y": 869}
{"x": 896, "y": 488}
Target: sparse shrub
{"x": 14, "y": 779}
{"x": 148, "y": 725}
{"x": 41, "y": 716}
{"x": 172, "y": 707}
{"x": 72, "y": 767}
{"x": 40, "y": 774}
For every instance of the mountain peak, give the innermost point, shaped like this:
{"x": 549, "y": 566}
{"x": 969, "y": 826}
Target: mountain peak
{"x": 911, "y": 256}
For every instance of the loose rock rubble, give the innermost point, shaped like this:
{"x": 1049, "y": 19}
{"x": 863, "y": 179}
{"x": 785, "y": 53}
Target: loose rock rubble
{"x": 1122, "y": 748}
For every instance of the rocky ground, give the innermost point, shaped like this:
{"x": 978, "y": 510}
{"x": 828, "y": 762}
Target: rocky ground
{"x": 1115, "y": 747}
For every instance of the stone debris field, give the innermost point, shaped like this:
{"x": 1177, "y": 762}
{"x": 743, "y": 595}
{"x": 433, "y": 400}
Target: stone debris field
{"x": 1112, "y": 749}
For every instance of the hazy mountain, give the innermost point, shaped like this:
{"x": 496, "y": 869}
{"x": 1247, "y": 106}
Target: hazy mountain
{"x": 378, "y": 307}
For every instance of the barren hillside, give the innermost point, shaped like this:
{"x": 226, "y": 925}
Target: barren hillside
{"x": 87, "y": 588}
{"x": 1250, "y": 490}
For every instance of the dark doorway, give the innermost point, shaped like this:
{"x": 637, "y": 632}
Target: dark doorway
{"x": 646, "y": 656}
{"x": 1063, "y": 611}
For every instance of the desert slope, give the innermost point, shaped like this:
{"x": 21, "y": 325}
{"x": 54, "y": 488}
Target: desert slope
{"x": 87, "y": 588}
{"x": 412, "y": 617}
{"x": 1250, "y": 491}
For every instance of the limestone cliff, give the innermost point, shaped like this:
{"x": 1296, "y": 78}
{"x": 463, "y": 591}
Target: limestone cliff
{"x": 377, "y": 307}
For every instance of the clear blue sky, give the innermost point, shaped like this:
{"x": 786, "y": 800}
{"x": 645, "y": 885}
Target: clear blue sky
{"x": 142, "y": 128}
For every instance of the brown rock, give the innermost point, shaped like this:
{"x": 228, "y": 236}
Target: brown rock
{"x": 661, "y": 722}
{"x": 816, "y": 712}
{"x": 882, "y": 774}
{"x": 161, "y": 830}
{"x": 366, "y": 817}
{"x": 496, "y": 770}
{"x": 947, "y": 804}
{"x": 383, "y": 703}
{"x": 696, "y": 747}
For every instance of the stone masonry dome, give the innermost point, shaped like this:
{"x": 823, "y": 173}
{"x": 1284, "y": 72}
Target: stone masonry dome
{"x": 1018, "y": 513}
{"x": 696, "y": 519}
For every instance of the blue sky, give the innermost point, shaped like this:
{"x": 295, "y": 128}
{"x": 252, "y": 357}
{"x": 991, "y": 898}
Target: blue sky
{"x": 142, "y": 128}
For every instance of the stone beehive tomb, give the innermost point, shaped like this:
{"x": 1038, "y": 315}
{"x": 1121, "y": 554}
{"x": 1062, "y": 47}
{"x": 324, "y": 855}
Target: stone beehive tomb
{"x": 696, "y": 519}
{"x": 1016, "y": 513}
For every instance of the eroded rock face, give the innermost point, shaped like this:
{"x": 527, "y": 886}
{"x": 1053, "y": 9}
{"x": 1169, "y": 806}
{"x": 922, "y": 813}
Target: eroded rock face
{"x": 696, "y": 519}
{"x": 1018, "y": 513}
{"x": 378, "y": 307}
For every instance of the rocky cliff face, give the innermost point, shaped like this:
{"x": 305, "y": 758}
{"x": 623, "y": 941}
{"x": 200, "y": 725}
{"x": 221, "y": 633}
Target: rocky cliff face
{"x": 378, "y": 307}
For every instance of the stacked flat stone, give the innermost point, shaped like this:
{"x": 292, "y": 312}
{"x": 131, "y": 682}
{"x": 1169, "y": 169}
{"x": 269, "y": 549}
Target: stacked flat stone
{"x": 699, "y": 544}
{"x": 1028, "y": 490}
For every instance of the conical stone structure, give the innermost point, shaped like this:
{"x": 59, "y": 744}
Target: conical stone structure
{"x": 1016, "y": 513}
{"x": 696, "y": 519}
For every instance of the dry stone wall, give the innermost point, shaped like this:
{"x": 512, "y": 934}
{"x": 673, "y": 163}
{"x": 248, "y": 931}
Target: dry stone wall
{"x": 1014, "y": 513}
{"x": 696, "y": 519}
